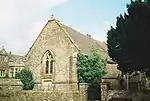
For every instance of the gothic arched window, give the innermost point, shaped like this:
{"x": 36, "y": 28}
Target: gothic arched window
{"x": 48, "y": 62}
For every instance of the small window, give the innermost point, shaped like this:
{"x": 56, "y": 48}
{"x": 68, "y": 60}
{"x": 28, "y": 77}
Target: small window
{"x": 2, "y": 73}
{"x": 2, "y": 58}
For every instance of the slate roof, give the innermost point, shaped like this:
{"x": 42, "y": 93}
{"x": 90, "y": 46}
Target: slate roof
{"x": 16, "y": 60}
{"x": 85, "y": 43}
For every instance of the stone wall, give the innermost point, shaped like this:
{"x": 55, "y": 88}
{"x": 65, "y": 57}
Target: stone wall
{"x": 104, "y": 91}
{"x": 57, "y": 87}
{"x": 11, "y": 90}
{"x": 10, "y": 85}
{"x": 106, "y": 94}
{"x": 83, "y": 91}
{"x": 114, "y": 95}
{"x": 40, "y": 96}
{"x": 51, "y": 38}
{"x": 112, "y": 83}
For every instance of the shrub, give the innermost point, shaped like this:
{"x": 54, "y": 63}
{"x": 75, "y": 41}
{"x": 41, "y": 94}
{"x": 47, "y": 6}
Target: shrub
{"x": 91, "y": 67}
{"x": 26, "y": 77}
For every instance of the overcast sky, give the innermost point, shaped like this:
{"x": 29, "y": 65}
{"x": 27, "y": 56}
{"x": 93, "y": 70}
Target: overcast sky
{"x": 22, "y": 20}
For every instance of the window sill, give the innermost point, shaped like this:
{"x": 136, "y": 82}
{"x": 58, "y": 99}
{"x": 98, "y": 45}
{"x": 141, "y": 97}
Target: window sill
{"x": 47, "y": 76}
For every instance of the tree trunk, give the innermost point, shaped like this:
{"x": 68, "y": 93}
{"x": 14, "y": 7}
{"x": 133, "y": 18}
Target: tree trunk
{"x": 127, "y": 81}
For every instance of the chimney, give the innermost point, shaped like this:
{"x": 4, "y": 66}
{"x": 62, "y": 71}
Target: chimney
{"x": 88, "y": 35}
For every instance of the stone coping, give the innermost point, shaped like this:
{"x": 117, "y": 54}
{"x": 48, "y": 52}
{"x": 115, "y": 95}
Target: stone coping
{"x": 10, "y": 82}
{"x": 110, "y": 78}
{"x": 83, "y": 83}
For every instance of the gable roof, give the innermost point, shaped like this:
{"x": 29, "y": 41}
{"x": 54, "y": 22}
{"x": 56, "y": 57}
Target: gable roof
{"x": 3, "y": 51}
{"x": 85, "y": 43}
{"x": 60, "y": 25}
{"x": 16, "y": 60}
{"x": 82, "y": 42}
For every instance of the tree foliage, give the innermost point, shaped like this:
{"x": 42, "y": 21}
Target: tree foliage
{"x": 26, "y": 77}
{"x": 129, "y": 42}
{"x": 90, "y": 67}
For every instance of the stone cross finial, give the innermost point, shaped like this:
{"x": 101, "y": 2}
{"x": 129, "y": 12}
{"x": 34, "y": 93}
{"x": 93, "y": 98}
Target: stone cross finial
{"x": 52, "y": 16}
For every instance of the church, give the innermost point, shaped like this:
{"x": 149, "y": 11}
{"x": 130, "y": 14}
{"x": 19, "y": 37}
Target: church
{"x": 53, "y": 57}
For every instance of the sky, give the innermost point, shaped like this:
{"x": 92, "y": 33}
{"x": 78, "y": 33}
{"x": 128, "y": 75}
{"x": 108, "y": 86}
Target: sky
{"x": 22, "y": 20}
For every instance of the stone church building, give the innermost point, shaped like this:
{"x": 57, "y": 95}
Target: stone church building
{"x": 53, "y": 56}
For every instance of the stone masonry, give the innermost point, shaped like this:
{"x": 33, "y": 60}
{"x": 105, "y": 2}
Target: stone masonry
{"x": 64, "y": 70}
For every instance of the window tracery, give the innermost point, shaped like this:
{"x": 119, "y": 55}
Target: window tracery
{"x": 49, "y": 63}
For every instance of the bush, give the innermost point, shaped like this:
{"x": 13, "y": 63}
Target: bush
{"x": 26, "y": 78}
{"x": 91, "y": 67}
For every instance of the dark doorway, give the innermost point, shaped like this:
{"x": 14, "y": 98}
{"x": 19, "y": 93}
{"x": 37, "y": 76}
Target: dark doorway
{"x": 94, "y": 93}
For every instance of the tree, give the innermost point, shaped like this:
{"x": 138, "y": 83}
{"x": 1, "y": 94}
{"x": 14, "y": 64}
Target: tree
{"x": 129, "y": 42}
{"x": 26, "y": 77}
{"x": 90, "y": 67}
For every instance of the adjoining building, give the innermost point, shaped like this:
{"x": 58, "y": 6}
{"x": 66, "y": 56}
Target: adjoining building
{"x": 10, "y": 64}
